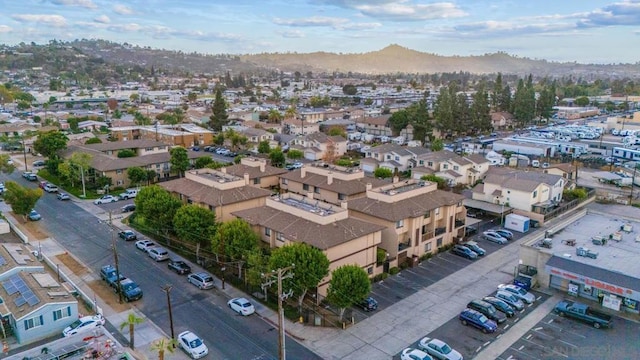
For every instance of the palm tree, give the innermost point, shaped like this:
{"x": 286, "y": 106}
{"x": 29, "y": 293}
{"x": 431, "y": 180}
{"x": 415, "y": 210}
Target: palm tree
{"x": 291, "y": 112}
{"x": 132, "y": 321}
{"x": 274, "y": 116}
{"x": 161, "y": 345}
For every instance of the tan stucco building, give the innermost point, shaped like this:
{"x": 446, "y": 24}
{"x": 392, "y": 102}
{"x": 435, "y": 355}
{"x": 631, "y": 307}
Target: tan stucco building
{"x": 261, "y": 174}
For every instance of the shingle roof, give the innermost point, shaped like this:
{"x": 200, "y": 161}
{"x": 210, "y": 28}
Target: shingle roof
{"x": 519, "y": 180}
{"x": 477, "y": 159}
{"x": 299, "y": 229}
{"x": 350, "y": 187}
{"x": 208, "y": 195}
{"x": 409, "y": 208}
{"x": 254, "y": 171}
{"x": 443, "y": 155}
{"x": 103, "y": 162}
{"x": 129, "y": 144}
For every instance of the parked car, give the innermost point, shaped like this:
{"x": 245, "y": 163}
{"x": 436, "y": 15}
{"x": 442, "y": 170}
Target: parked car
{"x": 129, "y": 207}
{"x": 464, "y": 251}
{"x": 192, "y": 345}
{"x": 242, "y": 306}
{"x": 475, "y": 248}
{"x": 109, "y": 274}
{"x": 414, "y": 354}
{"x": 519, "y": 292}
{"x": 500, "y": 305}
{"x": 295, "y": 165}
{"x": 84, "y": 324}
{"x": 202, "y": 280}
{"x": 179, "y": 266}
{"x": 505, "y": 233}
{"x": 583, "y": 313}
{"x": 487, "y": 310}
{"x": 494, "y": 237}
{"x": 158, "y": 253}
{"x": 438, "y": 349}
{"x": 63, "y": 197}
{"x": 128, "y": 194}
{"x": 368, "y": 304}
{"x": 29, "y": 176}
{"x": 34, "y": 216}
{"x": 39, "y": 163}
{"x": 50, "y": 188}
{"x": 127, "y": 235}
{"x": 144, "y": 245}
{"x": 130, "y": 290}
{"x": 105, "y": 199}
{"x": 476, "y": 319}
{"x": 510, "y": 299}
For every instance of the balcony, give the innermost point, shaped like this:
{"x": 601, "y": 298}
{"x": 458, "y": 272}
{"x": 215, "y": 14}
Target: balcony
{"x": 402, "y": 246}
{"x": 459, "y": 223}
{"x": 440, "y": 231}
{"x": 428, "y": 235}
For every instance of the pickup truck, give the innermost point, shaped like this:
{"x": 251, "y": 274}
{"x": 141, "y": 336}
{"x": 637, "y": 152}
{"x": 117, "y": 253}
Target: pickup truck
{"x": 584, "y": 313}
{"x": 130, "y": 290}
{"x": 108, "y": 274}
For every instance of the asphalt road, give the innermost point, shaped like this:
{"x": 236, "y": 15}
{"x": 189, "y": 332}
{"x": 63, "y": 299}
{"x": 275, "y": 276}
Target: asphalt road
{"x": 228, "y": 335}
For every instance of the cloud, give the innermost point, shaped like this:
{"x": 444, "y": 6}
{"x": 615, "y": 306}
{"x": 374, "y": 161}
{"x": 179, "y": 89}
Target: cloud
{"x": 103, "y": 19}
{"x": 358, "y": 26}
{"x": 487, "y": 29}
{"x": 81, "y": 3}
{"x": 51, "y": 20}
{"x": 620, "y": 13}
{"x": 122, "y": 9}
{"x": 292, "y": 34}
{"x": 311, "y": 21}
{"x": 400, "y": 10}
{"x": 130, "y": 27}
{"x": 5, "y": 29}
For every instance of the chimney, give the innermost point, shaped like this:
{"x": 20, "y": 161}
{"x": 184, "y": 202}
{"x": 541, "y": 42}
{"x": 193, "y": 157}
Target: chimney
{"x": 396, "y": 179}
{"x": 330, "y": 178}
{"x": 303, "y": 172}
{"x": 262, "y": 164}
{"x": 246, "y": 178}
{"x": 310, "y": 195}
{"x": 369, "y": 186}
{"x": 344, "y": 205}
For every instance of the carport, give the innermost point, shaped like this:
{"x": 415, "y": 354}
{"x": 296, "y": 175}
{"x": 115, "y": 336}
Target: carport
{"x": 494, "y": 209}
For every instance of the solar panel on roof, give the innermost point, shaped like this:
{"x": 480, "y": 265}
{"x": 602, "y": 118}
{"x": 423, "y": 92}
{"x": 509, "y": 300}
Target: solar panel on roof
{"x": 15, "y": 284}
{"x": 32, "y": 299}
{"x": 20, "y": 301}
{"x": 2, "y": 260}
{"x": 9, "y": 287}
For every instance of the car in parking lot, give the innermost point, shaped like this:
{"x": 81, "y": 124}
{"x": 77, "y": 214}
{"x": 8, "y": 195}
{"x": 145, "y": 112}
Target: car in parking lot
{"x": 127, "y": 235}
{"x": 478, "y": 320}
{"x": 192, "y": 345}
{"x": 519, "y": 292}
{"x": 201, "y": 280}
{"x": 128, "y": 207}
{"x": 368, "y": 304}
{"x": 34, "y": 216}
{"x": 464, "y": 251}
{"x": 510, "y": 299}
{"x": 83, "y": 324}
{"x": 179, "y": 266}
{"x": 475, "y": 248}
{"x": 504, "y": 233}
{"x": 500, "y": 305}
{"x": 494, "y": 237}
{"x": 105, "y": 199}
{"x": 487, "y": 310}
{"x": 242, "y": 306}
{"x": 414, "y": 354}
{"x": 145, "y": 245}
{"x": 438, "y": 349}
{"x": 158, "y": 253}
{"x": 63, "y": 197}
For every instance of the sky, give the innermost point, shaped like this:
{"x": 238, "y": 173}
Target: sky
{"x": 584, "y": 31}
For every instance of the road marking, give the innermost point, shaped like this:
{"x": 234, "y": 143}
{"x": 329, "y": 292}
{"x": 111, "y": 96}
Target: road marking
{"x": 538, "y": 328}
{"x": 529, "y": 337}
{"x": 550, "y": 321}
{"x": 516, "y": 320}
{"x": 478, "y": 349}
{"x": 520, "y": 348}
{"x": 506, "y": 327}
{"x": 487, "y": 343}
{"x": 568, "y": 343}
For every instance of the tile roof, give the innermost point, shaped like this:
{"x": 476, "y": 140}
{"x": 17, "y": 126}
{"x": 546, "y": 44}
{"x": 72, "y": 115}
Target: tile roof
{"x": 254, "y": 171}
{"x": 201, "y": 193}
{"x": 299, "y": 229}
{"x": 377, "y": 120}
{"x": 350, "y": 187}
{"x": 403, "y": 209}
{"x": 103, "y": 162}
{"x": 443, "y": 155}
{"x": 129, "y": 144}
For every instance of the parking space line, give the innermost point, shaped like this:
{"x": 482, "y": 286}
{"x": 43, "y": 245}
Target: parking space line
{"x": 565, "y": 331}
{"x": 523, "y": 353}
{"x": 545, "y": 347}
{"x": 568, "y": 343}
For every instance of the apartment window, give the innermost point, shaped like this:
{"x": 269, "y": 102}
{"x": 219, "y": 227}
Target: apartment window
{"x": 120, "y": 182}
{"x": 316, "y": 190}
{"x": 267, "y": 231}
{"x": 148, "y": 149}
{"x": 430, "y": 164}
{"x": 280, "y": 236}
{"x": 33, "y": 322}
{"x": 397, "y": 158}
{"x": 370, "y": 270}
{"x": 535, "y": 193}
{"x": 388, "y": 157}
{"x": 212, "y": 208}
{"x": 456, "y": 167}
{"x": 439, "y": 242}
{"x": 427, "y": 247}
{"x": 61, "y": 313}
{"x": 305, "y": 187}
{"x": 189, "y": 201}
{"x": 399, "y": 224}
{"x": 342, "y": 196}
{"x": 424, "y": 229}
{"x": 427, "y": 214}
{"x": 421, "y": 162}
{"x": 256, "y": 181}
{"x": 437, "y": 211}
{"x": 445, "y": 166}
{"x": 119, "y": 171}
{"x": 285, "y": 181}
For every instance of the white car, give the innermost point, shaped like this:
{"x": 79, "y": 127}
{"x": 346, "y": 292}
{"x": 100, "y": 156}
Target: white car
{"x": 192, "y": 345}
{"x": 84, "y": 324}
{"x": 145, "y": 245}
{"x": 105, "y": 199}
{"x": 414, "y": 354}
{"x": 518, "y": 292}
{"x": 494, "y": 237}
{"x": 158, "y": 253}
{"x": 242, "y": 306}
{"x": 438, "y": 349}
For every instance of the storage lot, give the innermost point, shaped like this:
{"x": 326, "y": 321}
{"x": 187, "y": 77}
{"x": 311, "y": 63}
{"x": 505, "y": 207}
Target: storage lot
{"x": 556, "y": 337}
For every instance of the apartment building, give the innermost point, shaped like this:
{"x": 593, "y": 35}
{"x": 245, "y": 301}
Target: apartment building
{"x": 217, "y": 191}
{"x": 464, "y": 170}
{"x": 320, "y": 146}
{"x": 186, "y": 135}
{"x": 329, "y": 183}
{"x": 417, "y": 218}
{"x": 261, "y": 174}
{"x": 300, "y": 127}
{"x": 292, "y": 218}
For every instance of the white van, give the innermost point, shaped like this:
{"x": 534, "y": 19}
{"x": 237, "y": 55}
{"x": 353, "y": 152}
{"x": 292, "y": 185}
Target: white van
{"x": 128, "y": 194}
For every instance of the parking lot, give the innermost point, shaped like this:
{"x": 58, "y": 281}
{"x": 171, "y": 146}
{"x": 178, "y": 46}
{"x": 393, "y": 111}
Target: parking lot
{"x": 557, "y": 337}
{"x": 468, "y": 340}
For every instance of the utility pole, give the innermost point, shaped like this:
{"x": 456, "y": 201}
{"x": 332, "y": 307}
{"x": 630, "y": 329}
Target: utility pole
{"x": 24, "y": 152}
{"x": 167, "y": 289}
{"x": 277, "y": 276}
{"x": 115, "y": 258}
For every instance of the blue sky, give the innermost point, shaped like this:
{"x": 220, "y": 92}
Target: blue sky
{"x": 559, "y": 30}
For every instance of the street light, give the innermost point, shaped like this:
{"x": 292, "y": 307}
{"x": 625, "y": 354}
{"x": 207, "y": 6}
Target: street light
{"x": 167, "y": 289}
{"x": 222, "y": 269}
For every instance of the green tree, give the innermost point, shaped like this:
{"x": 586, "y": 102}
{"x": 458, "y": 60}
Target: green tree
{"x": 294, "y": 154}
{"x": 274, "y": 116}
{"x": 219, "y": 108}
{"x": 442, "y": 182}
{"x": 131, "y": 322}
{"x": 219, "y": 139}
{"x": 158, "y": 207}
{"x": 311, "y": 266}
{"x": 349, "y": 89}
{"x": 49, "y": 143}
{"x": 203, "y": 162}
{"x": 480, "y": 111}
{"x": 235, "y": 240}
{"x": 22, "y": 199}
{"x": 137, "y": 175}
{"x": 162, "y": 346}
{"x": 337, "y": 131}
{"x": 126, "y": 153}
{"x": 195, "y": 224}
{"x": 215, "y": 165}
{"x": 277, "y": 157}
{"x": 383, "y": 173}
{"x": 437, "y": 145}
{"x": 349, "y": 285}
{"x": 582, "y": 101}
{"x": 179, "y": 160}
{"x": 5, "y": 166}
{"x": 192, "y": 96}
{"x": 93, "y": 140}
{"x": 257, "y": 265}
{"x": 398, "y": 121}
{"x": 264, "y": 147}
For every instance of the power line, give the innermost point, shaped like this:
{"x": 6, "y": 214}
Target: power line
{"x": 277, "y": 276}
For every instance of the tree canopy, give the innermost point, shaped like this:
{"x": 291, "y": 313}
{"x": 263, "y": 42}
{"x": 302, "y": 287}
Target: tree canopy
{"x": 349, "y": 285}
{"x": 179, "y": 160}
{"x": 22, "y": 199}
{"x": 219, "y": 109}
{"x": 195, "y": 224}
{"x": 158, "y": 207}
{"x": 49, "y": 143}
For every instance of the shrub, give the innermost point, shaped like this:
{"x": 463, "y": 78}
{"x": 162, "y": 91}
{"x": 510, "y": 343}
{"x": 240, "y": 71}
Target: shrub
{"x": 426, "y": 256}
{"x": 380, "y": 277}
{"x": 381, "y": 256}
{"x": 394, "y": 270}
{"x": 126, "y": 153}
{"x": 343, "y": 162}
{"x": 383, "y": 173}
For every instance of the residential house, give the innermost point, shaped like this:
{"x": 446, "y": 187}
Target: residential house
{"x": 418, "y": 218}
{"x": 260, "y": 173}
{"x": 456, "y": 169}
{"x": 378, "y": 125}
{"x": 391, "y": 156}
{"x": 567, "y": 170}
{"x": 35, "y": 306}
{"x": 527, "y": 191}
{"x": 255, "y": 136}
{"x": 300, "y": 127}
{"x": 329, "y": 183}
{"x": 291, "y": 218}
{"x": 217, "y": 191}
{"x": 320, "y": 146}
{"x": 501, "y": 120}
